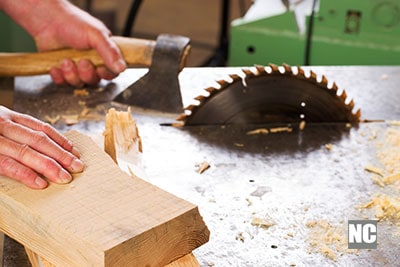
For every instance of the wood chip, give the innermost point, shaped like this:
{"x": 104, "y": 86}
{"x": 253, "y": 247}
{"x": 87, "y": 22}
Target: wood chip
{"x": 202, "y": 167}
{"x": 52, "y": 120}
{"x": 260, "y": 191}
{"x": 302, "y": 125}
{"x": 262, "y": 222}
{"x": 258, "y": 131}
{"x": 329, "y": 147}
{"x": 70, "y": 119}
{"x": 280, "y": 130}
{"x": 81, "y": 92}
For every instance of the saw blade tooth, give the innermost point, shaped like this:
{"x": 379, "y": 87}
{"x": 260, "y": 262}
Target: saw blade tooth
{"x": 260, "y": 69}
{"x": 200, "y": 97}
{"x": 235, "y": 77}
{"x": 274, "y": 68}
{"x": 324, "y": 81}
{"x": 222, "y": 83}
{"x": 334, "y": 87}
{"x": 300, "y": 71}
{"x": 343, "y": 95}
{"x": 313, "y": 76}
{"x": 287, "y": 68}
{"x": 211, "y": 89}
{"x": 351, "y": 104}
{"x": 181, "y": 117}
{"x": 247, "y": 72}
{"x": 191, "y": 107}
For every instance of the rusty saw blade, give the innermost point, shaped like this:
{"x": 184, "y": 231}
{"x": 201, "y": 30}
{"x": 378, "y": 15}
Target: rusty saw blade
{"x": 271, "y": 94}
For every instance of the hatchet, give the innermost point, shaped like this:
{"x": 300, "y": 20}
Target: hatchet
{"x": 158, "y": 89}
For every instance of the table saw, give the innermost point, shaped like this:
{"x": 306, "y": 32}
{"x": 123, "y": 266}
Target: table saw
{"x": 268, "y": 199}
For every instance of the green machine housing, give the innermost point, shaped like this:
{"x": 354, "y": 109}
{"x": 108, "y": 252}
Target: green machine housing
{"x": 344, "y": 32}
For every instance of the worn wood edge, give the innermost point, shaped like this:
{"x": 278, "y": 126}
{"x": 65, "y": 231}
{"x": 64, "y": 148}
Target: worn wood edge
{"x": 161, "y": 262}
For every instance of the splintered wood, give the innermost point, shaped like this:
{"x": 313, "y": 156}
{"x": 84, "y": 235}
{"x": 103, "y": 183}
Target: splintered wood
{"x": 121, "y": 133}
{"x": 102, "y": 218}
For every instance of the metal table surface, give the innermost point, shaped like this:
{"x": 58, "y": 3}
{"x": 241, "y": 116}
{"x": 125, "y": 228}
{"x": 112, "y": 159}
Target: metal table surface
{"x": 261, "y": 191}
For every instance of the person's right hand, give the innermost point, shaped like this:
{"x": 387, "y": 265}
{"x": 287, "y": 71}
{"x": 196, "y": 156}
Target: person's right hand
{"x": 31, "y": 150}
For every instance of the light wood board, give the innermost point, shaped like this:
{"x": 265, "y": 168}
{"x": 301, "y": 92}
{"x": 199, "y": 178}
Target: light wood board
{"x": 102, "y": 218}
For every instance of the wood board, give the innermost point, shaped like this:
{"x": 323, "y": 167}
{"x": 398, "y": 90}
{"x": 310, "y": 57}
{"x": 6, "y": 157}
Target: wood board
{"x": 102, "y": 218}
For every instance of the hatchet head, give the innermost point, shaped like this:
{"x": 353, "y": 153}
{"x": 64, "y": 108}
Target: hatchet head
{"x": 159, "y": 88}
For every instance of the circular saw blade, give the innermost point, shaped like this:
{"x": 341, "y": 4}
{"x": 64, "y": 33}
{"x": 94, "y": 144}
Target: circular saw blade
{"x": 271, "y": 95}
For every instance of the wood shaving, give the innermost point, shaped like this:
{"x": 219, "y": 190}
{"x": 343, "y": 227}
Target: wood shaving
{"x": 280, "y": 130}
{"x": 202, "y": 167}
{"x": 258, "y": 131}
{"x": 373, "y": 169}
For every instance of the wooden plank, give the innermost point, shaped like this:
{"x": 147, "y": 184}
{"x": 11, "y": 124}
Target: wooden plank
{"x": 186, "y": 261}
{"x": 1, "y": 248}
{"x": 103, "y": 218}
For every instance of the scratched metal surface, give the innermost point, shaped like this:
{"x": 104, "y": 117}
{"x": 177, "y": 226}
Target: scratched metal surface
{"x": 288, "y": 178}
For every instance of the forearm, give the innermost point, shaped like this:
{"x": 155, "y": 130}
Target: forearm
{"x": 27, "y": 14}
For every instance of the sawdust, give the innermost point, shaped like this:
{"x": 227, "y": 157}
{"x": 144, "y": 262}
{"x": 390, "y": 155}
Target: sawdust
{"x": 327, "y": 239}
{"x": 386, "y": 205}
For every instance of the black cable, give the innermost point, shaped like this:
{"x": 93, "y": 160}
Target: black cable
{"x": 220, "y": 56}
{"x": 131, "y": 18}
{"x": 309, "y": 35}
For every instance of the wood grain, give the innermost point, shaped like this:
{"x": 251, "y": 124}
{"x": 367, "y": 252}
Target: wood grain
{"x": 103, "y": 218}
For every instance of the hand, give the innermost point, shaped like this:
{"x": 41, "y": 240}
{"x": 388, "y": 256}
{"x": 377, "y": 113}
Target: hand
{"x": 56, "y": 24}
{"x": 31, "y": 149}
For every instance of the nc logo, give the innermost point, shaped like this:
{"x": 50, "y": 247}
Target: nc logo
{"x": 362, "y": 234}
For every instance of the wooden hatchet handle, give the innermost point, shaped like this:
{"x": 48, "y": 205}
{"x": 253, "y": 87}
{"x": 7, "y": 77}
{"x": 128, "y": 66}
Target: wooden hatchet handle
{"x": 136, "y": 52}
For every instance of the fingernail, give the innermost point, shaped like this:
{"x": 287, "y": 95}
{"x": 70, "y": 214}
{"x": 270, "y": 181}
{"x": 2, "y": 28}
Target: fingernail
{"x": 64, "y": 177}
{"x": 76, "y": 152}
{"x": 77, "y": 166}
{"x": 40, "y": 182}
{"x": 119, "y": 66}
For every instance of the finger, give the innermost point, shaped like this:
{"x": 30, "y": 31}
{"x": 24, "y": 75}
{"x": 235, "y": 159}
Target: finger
{"x": 87, "y": 72}
{"x": 35, "y": 161}
{"x": 41, "y": 142}
{"x": 57, "y": 76}
{"x": 15, "y": 170}
{"x": 70, "y": 73}
{"x": 37, "y": 125}
{"x": 105, "y": 73}
{"x": 109, "y": 52}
